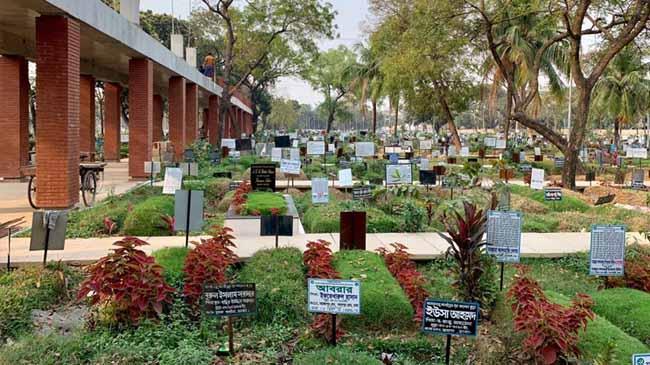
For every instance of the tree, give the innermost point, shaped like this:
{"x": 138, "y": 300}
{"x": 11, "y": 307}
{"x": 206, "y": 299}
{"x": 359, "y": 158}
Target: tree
{"x": 623, "y": 93}
{"x": 369, "y": 81}
{"x": 331, "y": 73}
{"x": 617, "y": 22}
{"x": 284, "y": 113}
{"x": 250, "y": 34}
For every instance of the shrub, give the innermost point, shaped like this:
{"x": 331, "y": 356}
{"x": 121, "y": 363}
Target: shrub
{"x": 637, "y": 270}
{"x": 280, "y": 282}
{"x": 145, "y": 219}
{"x": 30, "y": 288}
{"x": 129, "y": 282}
{"x": 172, "y": 260}
{"x": 239, "y": 198}
{"x": 207, "y": 263}
{"x": 628, "y": 309}
{"x": 404, "y": 270}
{"x": 336, "y": 356}
{"x": 414, "y": 217}
{"x": 384, "y": 304}
{"x": 551, "y": 330}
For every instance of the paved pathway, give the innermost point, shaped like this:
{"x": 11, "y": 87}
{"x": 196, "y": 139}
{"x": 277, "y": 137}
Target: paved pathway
{"x": 422, "y": 246}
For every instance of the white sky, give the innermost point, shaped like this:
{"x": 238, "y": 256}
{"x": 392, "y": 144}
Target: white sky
{"x": 352, "y": 15}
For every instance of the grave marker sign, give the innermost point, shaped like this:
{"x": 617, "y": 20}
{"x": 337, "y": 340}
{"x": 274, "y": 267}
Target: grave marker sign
{"x": 607, "y": 252}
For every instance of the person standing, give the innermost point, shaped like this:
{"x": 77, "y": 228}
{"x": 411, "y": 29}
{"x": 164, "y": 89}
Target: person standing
{"x": 208, "y": 65}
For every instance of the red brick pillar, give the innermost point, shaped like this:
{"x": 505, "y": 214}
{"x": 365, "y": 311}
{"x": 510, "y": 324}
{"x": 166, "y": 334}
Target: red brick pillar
{"x": 177, "y": 100}
{"x": 87, "y": 115}
{"x": 191, "y": 113}
{"x": 57, "y": 119}
{"x": 204, "y": 121}
{"x": 158, "y": 110}
{"x": 213, "y": 120}
{"x": 14, "y": 116}
{"x": 112, "y": 118}
{"x": 140, "y": 115}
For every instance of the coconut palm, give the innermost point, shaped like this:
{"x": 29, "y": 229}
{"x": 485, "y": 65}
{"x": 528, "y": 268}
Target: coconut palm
{"x": 368, "y": 81}
{"x": 623, "y": 93}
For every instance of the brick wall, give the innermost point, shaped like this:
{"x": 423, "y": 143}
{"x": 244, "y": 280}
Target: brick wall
{"x": 191, "y": 113}
{"x": 112, "y": 117}
{"x": 213, "y": 120}
{"x": 158, "y": 110}
{"x": 14, "y": 116}
{"x": 177, "y": 103}
{"x": 140, "y": 115}
{"x": 87, "y": 114}
{"x": 57, "y": 134}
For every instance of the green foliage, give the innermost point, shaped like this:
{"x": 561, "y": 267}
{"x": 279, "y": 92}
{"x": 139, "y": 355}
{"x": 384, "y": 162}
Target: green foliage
{"x": 261, "y": 203}
{"x": 541, "y": 223}
{"x": 145, "y": 219}
{"x": 280, "y": 282}
{"x": 30, "y": 288}
{"x": 172, "y": 260}
{"x": 414, "y": 217}
{"x": 568, "y": 203}
{"x": 628, "y": 309}
{"x": 336, "y": 356}
{"x": 383, "y": 303}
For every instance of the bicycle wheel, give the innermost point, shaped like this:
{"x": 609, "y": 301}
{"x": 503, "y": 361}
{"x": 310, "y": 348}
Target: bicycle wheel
{"x": 31, "y": 192}
{"x": 89, "y": 188}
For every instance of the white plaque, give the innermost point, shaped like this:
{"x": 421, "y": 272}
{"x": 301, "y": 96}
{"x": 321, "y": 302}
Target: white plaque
{"x": 334, "y": 296}
{"x": 173, "y": 180}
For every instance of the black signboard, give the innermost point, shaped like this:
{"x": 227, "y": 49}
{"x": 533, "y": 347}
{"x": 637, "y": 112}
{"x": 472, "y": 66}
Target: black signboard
{"x": 243, "y": 144}
{"x": 353, "y": 230}
{"x": 223, "y": 174}
{"x": 552, "y": 194}
{"x": 263, "y": 176}
{"x": 229, "y": 300}
{"x": 638, "y": 179}
{"x": 344, "y": 164}
{"x": 233, "y": 185}
{"x": 450, "y": 318}
{"x": 427, "y": 177}
{"x": 282, "y": 142}
{"x": 362, "y": 193}
{"x": 188, "y": 155}
{"x": 215, "y": 157}
{"x": 276, "y": 225}
{"x": 559, "y": 162}
{"x": 472, "y": 160}
{"x": 525, "y": 167}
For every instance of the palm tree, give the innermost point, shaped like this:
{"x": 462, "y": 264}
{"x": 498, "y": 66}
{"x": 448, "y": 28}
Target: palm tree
{"x": 623, "y": 93}
{"x": 368, "y": 80}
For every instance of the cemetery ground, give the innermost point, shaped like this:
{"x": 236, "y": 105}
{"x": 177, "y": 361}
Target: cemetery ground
{"x": 62, "y": 314}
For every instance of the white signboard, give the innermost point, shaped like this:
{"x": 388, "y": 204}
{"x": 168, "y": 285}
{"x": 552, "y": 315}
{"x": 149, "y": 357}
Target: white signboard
{"x": 173, "y": 180}
{"x": 451, "y": 151}
{"x": 426, "y": 144}
{"x": 637, "y": 152}
{"x": 331, "y": 147}
{"x": 319, "y": 190}
{"x": 334, "y": 296}
{"x": 504, "y": 235}
{"x": 399, "y": 174}
{"x": 151, "y": 167}
{"x": 501, "y": 144}
{"x": 537, "y": 179}
{"x": 464, "y": 151}
{"x": 315, "y": 148}
{"x": 276, "y": 154}
{"x": 365, "y": 149}
{"x": 345, "y": 177}
{"x": 424, "y": 164}
{"x": 294, "y": 154}
{"x": 538, "y": 151}
{"x": 294, "y": 143}
{"x": 190, "y": 168}
{"x": 408, "y": 144}
{"x": 290, "y": 167}
{"x": 228, "y": 142}
{"x": 641, "y": 359}
{"x": 607, "y": 253}
{"x": 490, "y": 142}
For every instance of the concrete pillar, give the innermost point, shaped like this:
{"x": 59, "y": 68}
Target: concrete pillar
{"x": 158, "y": 110}
{"x": 213, "y": 120}
{"x": 177, "y": 103}
{"x": 87, "y": 115}
{"x": 14, "y": 116}
{"x": 130, "y": 9}
{"x": 191, "y": 113}
{"x": 112, "y": 118}
{"x": 140, "y": 115}
{"x": 57, "y": 119}
{"x": 177, "y": 45}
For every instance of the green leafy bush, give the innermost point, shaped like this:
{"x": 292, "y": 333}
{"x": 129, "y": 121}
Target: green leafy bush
{"x": 336, "y": 356}
{"x": 628, "y": 309}
{"x": 414, "y": 217}
{"x": 145, "y": 219}
{"x": 280, "y": 282}
{"x": 172, "y": 260}
{"x": 383, "y": 303}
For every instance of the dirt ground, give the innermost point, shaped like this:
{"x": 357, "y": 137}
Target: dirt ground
{"x": 623, "y": 196}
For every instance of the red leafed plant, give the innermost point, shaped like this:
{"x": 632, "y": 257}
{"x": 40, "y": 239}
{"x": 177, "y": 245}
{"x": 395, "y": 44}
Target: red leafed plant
{"x": 318, "y": 260}
{"x": 240, "y": 195}
{"x": 207, "y": 263}
{"x": 405, "y": 272}
{"x": 637, "y": 270}
{"x": 128, "y": 281}
{"x": 168, "y": 222}
{"x": 109, "y": 226}
{"x": 551, "y": 329}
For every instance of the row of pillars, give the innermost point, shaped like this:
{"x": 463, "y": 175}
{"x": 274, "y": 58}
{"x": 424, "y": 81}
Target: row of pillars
{"x": 65, "y": 117}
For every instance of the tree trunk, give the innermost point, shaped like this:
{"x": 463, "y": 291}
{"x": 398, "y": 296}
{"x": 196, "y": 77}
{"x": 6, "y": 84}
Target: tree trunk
{"x": 396, "y": 116}
{"x": 617, "y": 131}
{"x": 455, "y": 139}
{"x": 508, "y": 114}
{"x": 576, "y": 138}
{"x": 374, "y": 117}
{"x": 330, "y": 119}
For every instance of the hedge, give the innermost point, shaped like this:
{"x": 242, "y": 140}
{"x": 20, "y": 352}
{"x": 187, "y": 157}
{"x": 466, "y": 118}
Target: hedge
{"x": 383, "y": 303}
{"x": 628, "y": 309}
{"x": 279, "y": 278}
{"x": 145, "y": 219}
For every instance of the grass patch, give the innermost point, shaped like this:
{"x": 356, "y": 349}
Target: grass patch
{"x": 279, "y": 278}
{"x": 600, "y": 333}
{"x": 383, "y": 303}
{"x": 145, "y": 219}
{"x": 172, "y": 259}
{"x": 568, "y": 203}
{"x": 628, "y": 309}
{"x": 336, "y": 356}
{"x": 261, "y": 203}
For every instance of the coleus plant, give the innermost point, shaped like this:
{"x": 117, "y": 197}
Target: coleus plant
{"x": 109, "y": 226}
{"x": 208, "y": 263}
{"x": 239, "y": 198}
{"x": 409, "y": 278}
{"x": 551, "y": 329}
{"x": 129, "y": 282}
{"x": 318, "y": 260}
